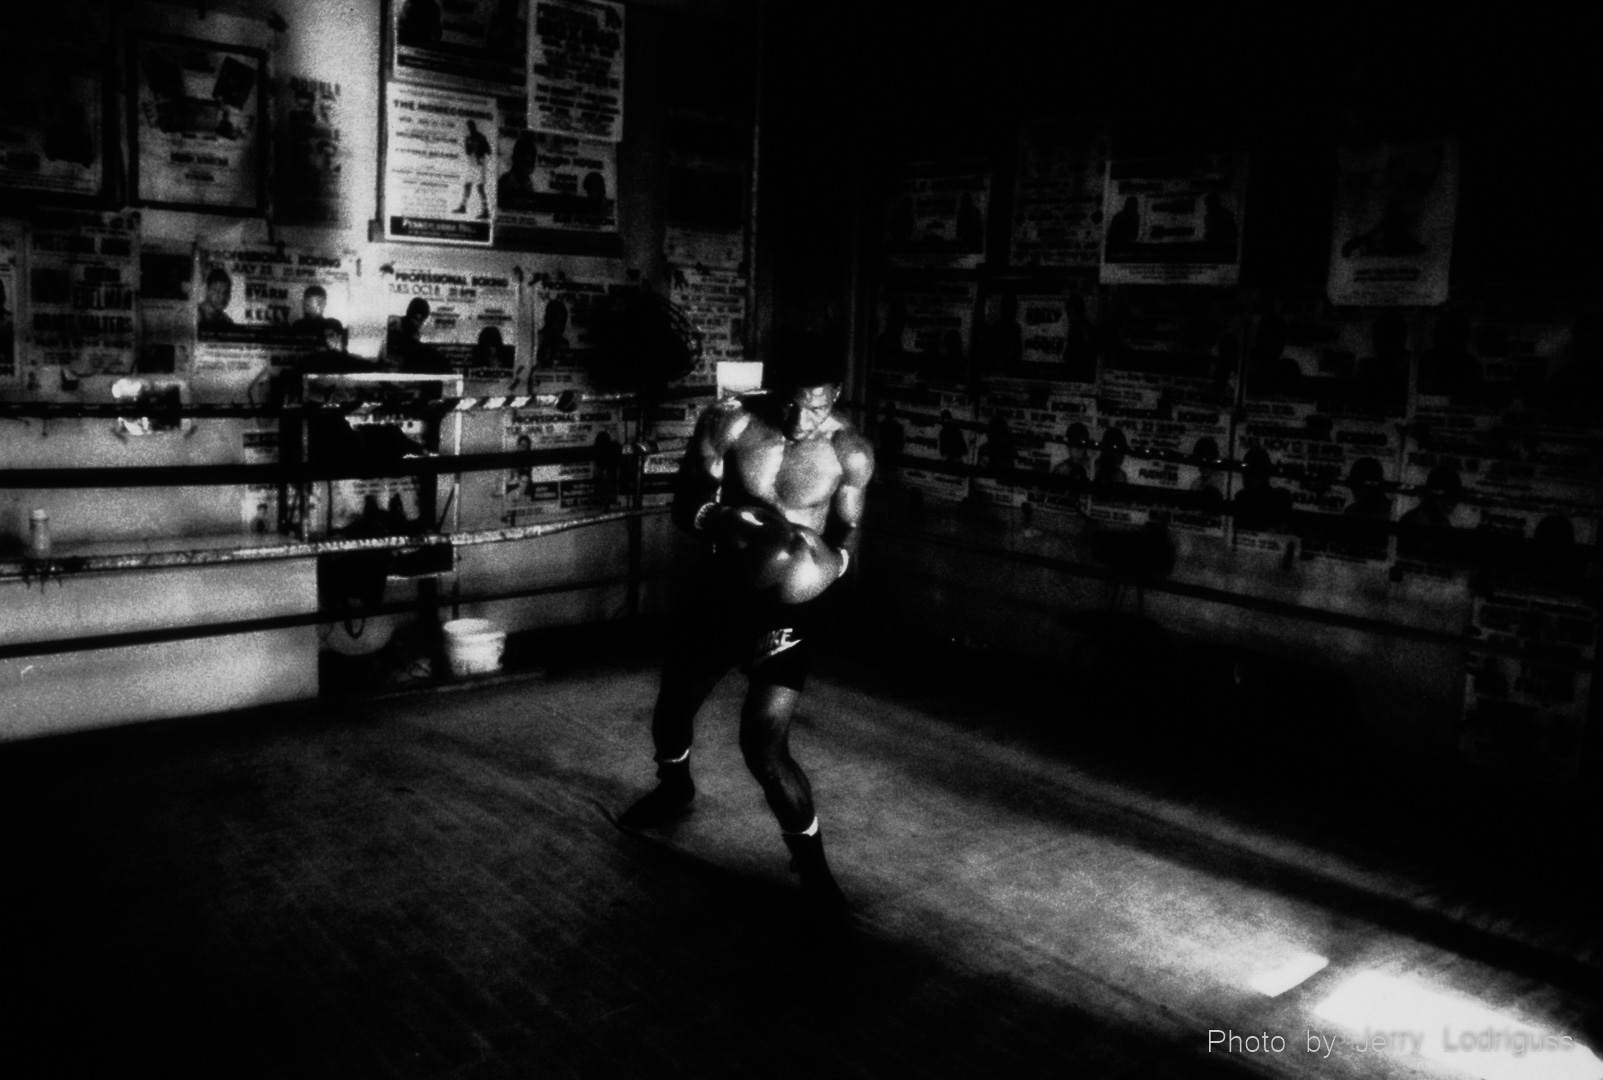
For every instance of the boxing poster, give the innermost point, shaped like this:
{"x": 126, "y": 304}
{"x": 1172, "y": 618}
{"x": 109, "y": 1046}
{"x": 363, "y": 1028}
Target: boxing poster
{"x": 312, "y": 175}
{"x": 1018, "y": 432}
{"x": 686, "y": 245}
{"x": 1174, "y": 221}
{"x": 259, "y": 504}
{"x": 924, "y": 329}
{"x": 936, "y": 215}
{"x": 1496, "y": 449}
{"x": 472, "y": 45}
{"x": 1392, "y": 238}
{"x": 1071, "y": 452}
{"x": 714, "y": 299}
{"x": 8, "y": 306}
{"x": 1528, "y": 680}
{"x": 166, "y": 308}
{"x": 197, "y": 125}
{"x": 83, "y": 283}
{"x": 1057, "y": 196}
{"x": 553, "y": 182}
{"x": 388, "y": 505}
{"x": 272, "y": 294}
{"x": 1041, "y": 332}
{"x": 440, "y": 166}
{"x": 564, "y": 305}
{"x": 52, "y": 92}
{"x": 541, "y": 491}
{"x": 1166, "y": 395}
{"x": 471, "y": 323}
{"x": 576, "y": 68}
{"x": 923, "y": 424}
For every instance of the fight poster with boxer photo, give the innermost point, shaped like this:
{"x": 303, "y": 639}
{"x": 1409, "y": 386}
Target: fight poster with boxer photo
{"x": 1038, "y": 331}
{"x": 1058, "y": 194}
{"x": 1391, "y": 241}
{"x": 471, "y": 325}
{"x": 565, "y": 304}
{"x": 1528, "y": 680}
{"x": 1174, "y": 221}
{"x": 936, "y": 215}
{"x": 924, "y": 329}
{"x": 473, "y": 45}
{"x": 542, "y": 491}
{"x": 440, "y": 166}
{"x": 552, "y": 182}
{"x": 576, "y": 57}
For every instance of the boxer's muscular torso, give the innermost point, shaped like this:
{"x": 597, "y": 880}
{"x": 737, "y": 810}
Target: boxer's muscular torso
{"x": 803, "y": 479}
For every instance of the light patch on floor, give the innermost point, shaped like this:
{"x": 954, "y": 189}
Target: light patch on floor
{"x": 1393, "y": 1015}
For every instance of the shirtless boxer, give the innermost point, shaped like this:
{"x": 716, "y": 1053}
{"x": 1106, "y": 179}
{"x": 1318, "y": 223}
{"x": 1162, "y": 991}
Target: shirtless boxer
{"x": 776, "y": 482}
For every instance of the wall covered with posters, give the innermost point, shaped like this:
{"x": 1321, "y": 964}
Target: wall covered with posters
{"x": 209, "y": 203}
{"x": 1251, "y": 337}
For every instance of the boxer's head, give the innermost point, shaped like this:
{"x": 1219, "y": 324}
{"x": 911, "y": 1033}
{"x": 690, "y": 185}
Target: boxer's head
{"x": 806, "y": 379}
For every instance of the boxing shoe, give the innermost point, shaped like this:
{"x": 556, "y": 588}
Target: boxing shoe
{"x": 820, "y": 893}
{"x": 668, "y": 801}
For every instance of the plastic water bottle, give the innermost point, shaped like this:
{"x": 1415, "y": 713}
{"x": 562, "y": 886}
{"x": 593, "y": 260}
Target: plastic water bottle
{"x": 39, "y": 534}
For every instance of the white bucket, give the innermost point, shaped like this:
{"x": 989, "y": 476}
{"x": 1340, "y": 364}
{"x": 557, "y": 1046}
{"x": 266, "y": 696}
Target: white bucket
{"x": 473, "y": 647}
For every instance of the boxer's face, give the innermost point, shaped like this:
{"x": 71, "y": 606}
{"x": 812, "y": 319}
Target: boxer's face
{"x": 809, "y": 407}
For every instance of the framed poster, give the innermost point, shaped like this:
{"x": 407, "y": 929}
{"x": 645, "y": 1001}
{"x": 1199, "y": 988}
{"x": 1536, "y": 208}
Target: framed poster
{"x": 197, "y": 123}
{"x": 440, "y": 165}
{"x": 52, "y": 93}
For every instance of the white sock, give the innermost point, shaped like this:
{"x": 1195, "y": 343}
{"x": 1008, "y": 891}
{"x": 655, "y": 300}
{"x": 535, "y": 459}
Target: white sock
{"x": 676, "y": 760}
{"x": 811, "y": 830}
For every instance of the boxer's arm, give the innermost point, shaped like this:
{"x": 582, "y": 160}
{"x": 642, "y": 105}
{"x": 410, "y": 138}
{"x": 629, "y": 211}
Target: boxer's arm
{"x": 701, "y": 471}
{"x": 846, "y": 506}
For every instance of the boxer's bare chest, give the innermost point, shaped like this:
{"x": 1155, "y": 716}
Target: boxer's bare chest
{"x": 796, "y": 478}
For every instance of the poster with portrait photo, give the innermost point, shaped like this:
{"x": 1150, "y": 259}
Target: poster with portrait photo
{"x": 52, "y": 112}
{"x": 1528, "y": 680}
{"x": 1391, "y": 241}
{"x": 931, "y": 425}
{"x": 553, "y": 182}
{"x": 83, "y": 286}
{"x": 311, "y": 176}
{"x": 1174, "y": 221}
{"x": 472, "y": 321}
{"x": 936, "y": 214}
{"x": 1019, "y": 432}
{"x": 197, "y": 125}
{"x": 924, "y": 329}
{"x": 440, "y": 166}
{"x": 472, "y": 45}
{"x": 1057, "y": 195}
{"x": 1340, "y": 475}
{"x": 563, "y": 307}
{"x": 576, "y": 68}
{"x": 271, "y": 294}
{"x": 543, "y": 491}
{"x": 1037, "y": 331}
{"x": 1344, "y": 361}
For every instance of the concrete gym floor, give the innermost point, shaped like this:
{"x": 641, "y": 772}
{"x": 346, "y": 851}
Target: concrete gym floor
{"x": 427, "y": 884}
